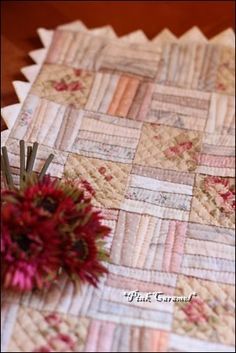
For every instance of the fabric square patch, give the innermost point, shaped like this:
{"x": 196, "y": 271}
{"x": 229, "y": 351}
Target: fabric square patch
{"x": 64, "y": 85}
{"x": 107, "y": 137}
{"x": 208, "y": 316}
{"x": 168, "y": 148}
{"x": 139, "y": 59}
{"x": 114, "y": 94}
{"x": 48, "y": 123}
{"x": 178, "y": 107}
{"x": 155, "y": 244}
{"x": 77, "y": 49}
{"x": 221, "y": 117}
{"x": 158, "y": 192}
{"x": 205, "y": 67}
{"x": 214, "y": 201}
{"x": 107, "y": 179}
{"x": 37, "y": 331}
{"x": 209, "y": 253}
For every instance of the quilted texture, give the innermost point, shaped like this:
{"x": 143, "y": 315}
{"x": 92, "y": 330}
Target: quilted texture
{"x": 206, "y": 317}
{"x": 63, "y": 85}
{"x": 46, "y": 331}
{"x": 208, "y": 206}
{"x": 150, "y": 125}
{"x": 168, "y": 148}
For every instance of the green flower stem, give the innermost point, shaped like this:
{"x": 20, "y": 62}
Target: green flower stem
{"x": 3, "y": 171}
{"x": 32, "y": 157}
{"x": 29, "y": 151}
{"x": 45, "y": 167}
{"x": 22, "y": 162}
{"x": 7, "y": 168}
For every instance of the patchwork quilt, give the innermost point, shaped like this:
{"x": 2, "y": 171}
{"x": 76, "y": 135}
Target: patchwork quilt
{"x": 150, "y": 125}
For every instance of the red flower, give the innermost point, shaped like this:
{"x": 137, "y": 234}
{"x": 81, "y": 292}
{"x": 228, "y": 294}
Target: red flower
{"x": 81, "y": 259}
{"x": 195, "y": 311}
{"x": 102, "y": 170}
{"x": 53, "y": 319}
{"x": 48, "y": 226}
{"x": 83, "y": 249}
{"x": 221, "y": 87}
{"x": 30, "y": 247}
{"x": 108, "y": 177}
{"x": 86, "y": 187}
{"x": 62, "y": 339}
{"x": 222, "y": 193}
{"x": 60, "y": 85}
{"x": 77, "y": 72}
{"x": 51, "y": 201}
{"x": 74, "y": 86}
{"x": 63, "y": 86}
{"x": 178, "y": 149}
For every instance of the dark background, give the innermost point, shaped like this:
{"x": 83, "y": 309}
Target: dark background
{"x": 20, "y": 19}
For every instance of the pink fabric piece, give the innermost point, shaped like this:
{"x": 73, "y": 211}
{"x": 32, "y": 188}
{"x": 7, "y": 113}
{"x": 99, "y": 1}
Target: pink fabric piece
{"x": 217, "y": 161}
{"x": 174, "y": 246}
{"x": 146, "y": 102}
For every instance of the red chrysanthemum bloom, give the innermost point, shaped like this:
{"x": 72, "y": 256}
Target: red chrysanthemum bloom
{"x": 51, "y": 200}
{"x": 84, "y": 249}
{"x": 50, "y": 225}
{"x": 30, "y": 247}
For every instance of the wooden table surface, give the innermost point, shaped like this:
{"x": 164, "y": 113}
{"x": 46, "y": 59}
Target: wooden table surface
{"x": 20, "y": 19}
